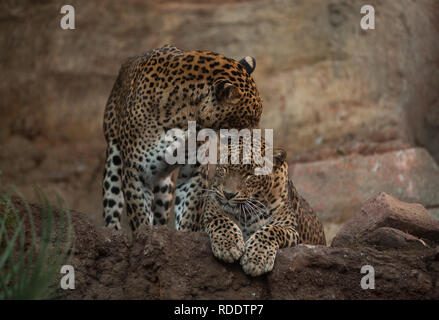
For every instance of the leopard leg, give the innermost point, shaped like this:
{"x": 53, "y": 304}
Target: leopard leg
{"x": 190, "y": 193}
{"x": 262, "y": 246}
{"x": 163, "y": 192}
{"x": 226, "y": 239}
{"x": 138, "y": 196}
{"x": 112, "y": 186}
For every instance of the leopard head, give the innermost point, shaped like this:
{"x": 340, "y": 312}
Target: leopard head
{"x": 234, "y": 100}
{"x": 241, "y": 192}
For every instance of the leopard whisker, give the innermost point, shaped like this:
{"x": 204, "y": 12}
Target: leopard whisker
{"x": 261, "y": 207}
{"x": 259, "y": 211}
{"x": 254, "y": 211}
{"x": 206, "y": 195}
{"x": 209, "y": 191}
{"x": 244, "y": 211}
{"x": 258, "y": 202}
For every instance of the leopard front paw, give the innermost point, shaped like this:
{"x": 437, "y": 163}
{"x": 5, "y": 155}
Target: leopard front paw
{"x": 259, "y": 257}
{"x": 228, "y": 248}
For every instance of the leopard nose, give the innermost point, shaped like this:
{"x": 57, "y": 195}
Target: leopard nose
{"x": 229, "y": 195}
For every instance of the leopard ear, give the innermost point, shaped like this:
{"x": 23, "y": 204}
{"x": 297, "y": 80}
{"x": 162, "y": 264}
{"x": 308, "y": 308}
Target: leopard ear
{"x": 249, "y": 64}
{"x": 227, "y": 93}
{"x": 279, "y": 156}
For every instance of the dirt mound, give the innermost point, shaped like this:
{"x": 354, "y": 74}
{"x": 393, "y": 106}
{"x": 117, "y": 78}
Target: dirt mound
{"x": 167, "y": 264}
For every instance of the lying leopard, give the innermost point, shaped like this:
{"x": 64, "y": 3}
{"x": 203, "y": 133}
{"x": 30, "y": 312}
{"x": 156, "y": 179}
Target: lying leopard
{"x": 166, "y": 88}
{"x": 249, "y": 217}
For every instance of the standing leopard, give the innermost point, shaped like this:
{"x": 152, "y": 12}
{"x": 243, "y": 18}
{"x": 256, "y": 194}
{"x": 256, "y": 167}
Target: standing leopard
{"x": 166, "y": 88}
{"x": 250, "y": 216}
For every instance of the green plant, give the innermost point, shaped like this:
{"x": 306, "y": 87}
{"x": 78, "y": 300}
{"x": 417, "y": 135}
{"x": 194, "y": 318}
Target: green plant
{"x": 30, "y": 263}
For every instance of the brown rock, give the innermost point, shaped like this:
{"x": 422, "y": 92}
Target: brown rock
{"x": 390, "y": 238}
{"x": 166, "y": 264}
{"x": 337, "y": 188}
{"x": 368, "y": 223}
